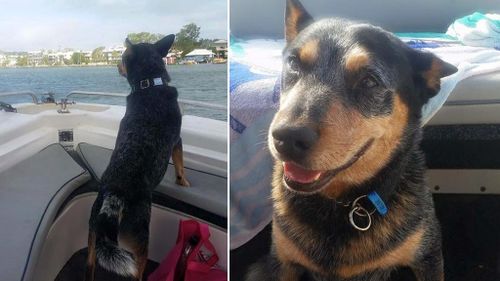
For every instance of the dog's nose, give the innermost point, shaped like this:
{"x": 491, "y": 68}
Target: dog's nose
{"x": 294, "y": 142}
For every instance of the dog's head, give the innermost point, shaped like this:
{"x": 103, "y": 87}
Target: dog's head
{"x": 144, "y": 60}
{"x": 351, "y": 95}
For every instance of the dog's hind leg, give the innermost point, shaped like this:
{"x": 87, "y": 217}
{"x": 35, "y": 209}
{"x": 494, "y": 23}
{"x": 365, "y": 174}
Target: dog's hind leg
{"x": 135, "y": 236}
{"x": 91, "y": 250}
{"x": 141, "y": 257}
{"x": 178, "y": 159}
{"x": 139, "y": 247}
{"x": 91, "y": 258}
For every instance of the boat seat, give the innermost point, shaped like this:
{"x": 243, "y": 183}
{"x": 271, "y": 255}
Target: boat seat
{"x": 31, "y": 193}
{"x": 207, "y": 191}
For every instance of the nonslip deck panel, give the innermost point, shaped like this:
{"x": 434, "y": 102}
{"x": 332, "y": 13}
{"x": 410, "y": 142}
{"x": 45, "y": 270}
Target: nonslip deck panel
{"x": 207, "y": 191}
{"x": 30, "y": 195}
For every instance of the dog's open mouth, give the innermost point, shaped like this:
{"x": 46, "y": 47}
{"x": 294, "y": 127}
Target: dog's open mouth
{"x": 302, "y": 180}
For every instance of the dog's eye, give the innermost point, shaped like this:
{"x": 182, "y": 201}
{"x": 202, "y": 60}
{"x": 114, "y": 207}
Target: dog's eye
{"x": 293, "y": 64}
{"x": 368, "y": 82}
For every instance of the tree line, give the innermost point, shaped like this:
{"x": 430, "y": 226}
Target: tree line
{"x": 186, "y": 40}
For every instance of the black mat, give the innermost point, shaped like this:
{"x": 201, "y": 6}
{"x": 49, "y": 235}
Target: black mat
{"x": 471, "y": 240}
{"x": 462, "y": 146}
{"x": 74, "y": 270}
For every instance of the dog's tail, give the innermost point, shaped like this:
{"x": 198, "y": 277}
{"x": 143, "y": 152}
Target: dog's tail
{"x": 109, "y": 255}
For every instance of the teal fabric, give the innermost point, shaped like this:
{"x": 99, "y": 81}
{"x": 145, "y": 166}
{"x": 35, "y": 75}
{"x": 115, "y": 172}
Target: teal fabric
{"x": 477, "y": 30}
{"x": 472, "y": 20}
{"x": 424, "y": 35}
{"x": 236, "y": 48}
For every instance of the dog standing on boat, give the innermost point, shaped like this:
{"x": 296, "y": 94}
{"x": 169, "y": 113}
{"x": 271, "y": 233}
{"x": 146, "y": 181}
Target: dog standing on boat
{"x": 149, "y": 134}
{"x": 350, "y": 202}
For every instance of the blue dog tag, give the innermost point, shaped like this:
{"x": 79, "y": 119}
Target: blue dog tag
{"x": 378, "y": 203}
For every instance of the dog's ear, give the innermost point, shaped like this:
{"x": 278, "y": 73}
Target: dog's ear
{"x": 128, "y": 44}
{"x": 163, "y": 46}
{"x": 296, "y": 19}
{"x": 428, "y": 70}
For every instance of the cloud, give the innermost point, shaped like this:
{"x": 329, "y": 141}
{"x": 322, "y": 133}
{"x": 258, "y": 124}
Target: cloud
{"x": 43, "y": 24}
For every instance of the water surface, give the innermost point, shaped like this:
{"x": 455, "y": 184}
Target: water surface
{"x": 203, "y": 82}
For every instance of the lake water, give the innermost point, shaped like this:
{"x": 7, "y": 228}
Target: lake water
{"x": 202, "y": 82}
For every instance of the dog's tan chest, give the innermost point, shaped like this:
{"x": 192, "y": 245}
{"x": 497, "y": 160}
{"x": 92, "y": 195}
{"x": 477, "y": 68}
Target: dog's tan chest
{"x": 357, "y": 256}
{"x": 402, "y": 255}
{"x": 288, "y": 252}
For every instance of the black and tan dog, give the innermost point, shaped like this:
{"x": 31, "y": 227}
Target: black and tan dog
{"x": 350, "y": 202}
{"x": 149, "y": 134}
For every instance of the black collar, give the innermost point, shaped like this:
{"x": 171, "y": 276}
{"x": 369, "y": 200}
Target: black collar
{"x": 149, "y": 83}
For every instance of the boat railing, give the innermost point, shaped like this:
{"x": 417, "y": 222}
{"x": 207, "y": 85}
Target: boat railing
{"x": 122, "y": 95}
{"x": 21, "y": 93}
{"x": 187, "y": 102}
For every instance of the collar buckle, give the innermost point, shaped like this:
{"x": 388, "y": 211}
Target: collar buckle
{"x": 144, "y": 84}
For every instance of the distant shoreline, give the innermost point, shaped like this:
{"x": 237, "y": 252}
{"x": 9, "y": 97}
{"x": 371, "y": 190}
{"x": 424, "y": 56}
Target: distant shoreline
{"x": 89, "y": 65}
{"x": 53, "y": 66}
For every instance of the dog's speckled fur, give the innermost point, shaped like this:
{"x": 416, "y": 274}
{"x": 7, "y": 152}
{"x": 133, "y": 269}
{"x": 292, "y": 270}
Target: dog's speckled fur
{"x": 148, "y": 134}
{"x": 352, "y": 86}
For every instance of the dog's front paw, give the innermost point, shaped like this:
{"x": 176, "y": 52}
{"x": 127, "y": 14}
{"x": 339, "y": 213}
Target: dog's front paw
{"x": 182, "y": 181}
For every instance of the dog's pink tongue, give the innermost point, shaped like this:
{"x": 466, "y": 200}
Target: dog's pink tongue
{"x": 299, "y": 174}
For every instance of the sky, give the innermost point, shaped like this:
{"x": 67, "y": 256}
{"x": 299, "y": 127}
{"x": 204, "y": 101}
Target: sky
{"x": 87, "y": 24}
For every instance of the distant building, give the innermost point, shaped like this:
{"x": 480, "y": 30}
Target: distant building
{"x": 114, "y": 54}
{"x": 59, "y": 57}
{"x": 199, "y": 56}
{"x": 3, "y": 59}
{"x": 35, "y": 58}
{"x": 172, "y": 56}
{"x": 11, "y": 59}
{"x": 54, "y": 59}
{"x": 88, "y": 55}
{"x": 220, "y": 48}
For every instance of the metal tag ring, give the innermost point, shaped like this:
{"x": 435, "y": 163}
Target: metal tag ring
{"x": 355, "y": 210}
{"x": 360, "y": 213}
